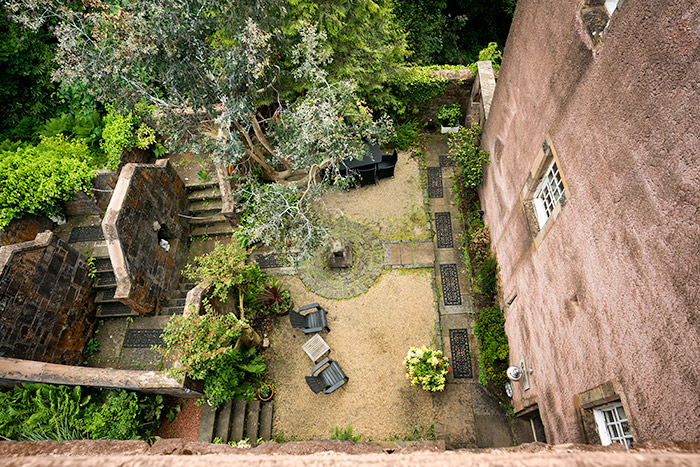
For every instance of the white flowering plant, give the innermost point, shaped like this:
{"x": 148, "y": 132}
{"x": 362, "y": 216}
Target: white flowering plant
{"x": 427, "y": 367}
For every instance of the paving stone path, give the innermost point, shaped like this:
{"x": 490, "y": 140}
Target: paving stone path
{"x": 466, "y": 415}
{"x": 367, "y": 264}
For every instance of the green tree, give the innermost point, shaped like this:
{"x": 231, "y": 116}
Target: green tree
{"x": 363, "y": 37}
{"x": 424, "y": 22}
{"x": 203, "y": 68}
{"x": 25, "y": 78}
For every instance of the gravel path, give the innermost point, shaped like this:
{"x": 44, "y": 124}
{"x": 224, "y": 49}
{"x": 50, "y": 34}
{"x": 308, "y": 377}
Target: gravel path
{"x": 393, "y": 208}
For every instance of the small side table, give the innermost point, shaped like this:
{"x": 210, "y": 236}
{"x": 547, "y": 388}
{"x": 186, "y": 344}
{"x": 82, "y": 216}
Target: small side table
{"x": 315, "y": 347}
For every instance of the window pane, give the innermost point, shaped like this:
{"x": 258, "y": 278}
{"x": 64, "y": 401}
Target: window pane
{"x": 621, "y": 413}
{"x": 614, "y": 432}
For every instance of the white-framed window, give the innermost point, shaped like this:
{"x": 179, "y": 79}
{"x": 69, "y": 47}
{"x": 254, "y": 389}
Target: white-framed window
{"x": 613, "y": 426}
{"x": 611, "y": 6}
{"x": 548, "y": 194}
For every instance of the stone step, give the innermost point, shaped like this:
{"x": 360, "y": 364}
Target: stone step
{"x": 106, "y": 296}
{"x": 197, "y": 185}
{"x": 265, "y": 431}
{"x": 211, "y": 193}
{"x": 219, "y": 228}
{"x": 223, "y": 421}
{"x": 97, "y": 250}
{"x": 187, "y": 286}
{"x": 238, "y": 421}
{"x": 114, "y": 310}
{"x": 172, "y": 310}
{"x": 103, "y": 265}
{"x": 208, "y": 220}
{"x": 207, "y": 424}
{"x": 105, "y": 280}
{"x": 252, "y": 418}
{"x": 199, "y": 208}
{"x": 174, "y": 302}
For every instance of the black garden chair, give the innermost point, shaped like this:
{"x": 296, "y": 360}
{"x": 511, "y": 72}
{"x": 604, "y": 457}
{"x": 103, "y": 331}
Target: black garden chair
{"x": 314, "y": 321}
{"x": 329, "y": 379}
{"x": 367, "y": 175}
{"x": 386, "y": 167}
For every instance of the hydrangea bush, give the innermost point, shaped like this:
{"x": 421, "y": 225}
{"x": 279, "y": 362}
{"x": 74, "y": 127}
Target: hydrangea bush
{"x": 427, "y": 367}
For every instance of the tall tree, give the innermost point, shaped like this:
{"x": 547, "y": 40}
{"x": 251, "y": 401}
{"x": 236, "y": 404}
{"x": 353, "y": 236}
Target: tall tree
{"x": 203, "y": 66}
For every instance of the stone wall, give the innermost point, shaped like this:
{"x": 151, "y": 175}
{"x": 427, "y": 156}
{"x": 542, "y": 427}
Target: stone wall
{"x": 145, "y": 208}
{"x": 97, "y": 200}
{"x": 24, "y": 229}
{"x": 611, "y": 293}
{"x": 46, "y": 301}
{"x": 458, "y": 89}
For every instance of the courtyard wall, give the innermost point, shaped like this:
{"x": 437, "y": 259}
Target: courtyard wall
{"x": 605, "y": 305}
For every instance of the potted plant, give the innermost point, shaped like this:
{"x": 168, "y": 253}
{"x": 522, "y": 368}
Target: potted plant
{"x": 265, "y": 392}
{"x": 427, "y": 367}
{"x": 276, "y": 299}
{"x": 449, "y": 116}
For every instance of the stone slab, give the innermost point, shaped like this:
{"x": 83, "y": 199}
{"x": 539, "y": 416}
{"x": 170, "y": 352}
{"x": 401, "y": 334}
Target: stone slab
{"x": 406, "y": 253}
{"x": 423, "y": 253}
{"x": 454, "y": 417}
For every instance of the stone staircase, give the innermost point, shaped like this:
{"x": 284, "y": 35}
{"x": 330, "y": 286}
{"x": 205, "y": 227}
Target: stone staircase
{"x": 90, "y": 240}
{"x": 235, "y": 421}
{"x": 205, "y": 205}
{"x": 176, "y": 300}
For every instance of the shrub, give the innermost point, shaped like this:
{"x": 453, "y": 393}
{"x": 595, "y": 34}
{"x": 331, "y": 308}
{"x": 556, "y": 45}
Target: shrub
{"x": 479, "y": 245}
{"x": 199, "y": 342}
{"x": 61, "y": 413}
{"x": 449, "y": 114}
{"x": 470, "y": 158}
{"x": 41, "y": 411}
{"x": 35, "y": 179}
{"x": 426, "y": 367}
{"x": 225, "y": 268}
{"x": 489, "y": 328}
{"x": 491, "y": 52}
{"x": 117, "y": 136}
{"x": 406, "y": 135}
{"x": 487, "y": 276}
{"x": 234, "y": 376}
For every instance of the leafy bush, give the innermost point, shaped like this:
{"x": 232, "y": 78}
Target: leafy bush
{"x": 470, "y": 158}
{"x": 276, "y": 299}
{"x": 491, "y": 52}
{"x": 117, "y": 136}
{"x": 449, "y": 114}
{"x": 60, "y": 413}
{"x": 489, "y": 328}
{"x": 426, "y": 367}
{"x": 406, "y": 136}
{"x": 487, "y": 276}
{"x": 41, "y": 411}
{"x": 35, "y": 179}
{"x": 199, "y": 342}
{"x": 479, "y": 245}
{"x": 225, "y": 267}
{"x": 344, "y": 434}
{"x": 121, "y": 414}
{"x": 407, "y": 91}
{"x": 234, "y": 376}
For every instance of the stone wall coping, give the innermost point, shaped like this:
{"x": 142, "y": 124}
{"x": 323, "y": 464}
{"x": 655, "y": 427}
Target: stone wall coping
{"x": 14, "y": 371}
{"x": 8, "y": 251}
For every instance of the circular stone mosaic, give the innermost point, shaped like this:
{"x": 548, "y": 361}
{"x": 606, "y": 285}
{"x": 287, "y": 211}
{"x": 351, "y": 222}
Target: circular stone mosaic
{"x": 338, "y": 283}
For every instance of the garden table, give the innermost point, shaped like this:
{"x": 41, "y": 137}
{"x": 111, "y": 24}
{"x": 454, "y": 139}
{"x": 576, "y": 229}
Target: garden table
{"x": 372, "y": 159}
{"x": 315, "y": 347}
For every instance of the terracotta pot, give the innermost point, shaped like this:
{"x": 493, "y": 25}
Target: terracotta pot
{"x": 272, "y": 393}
